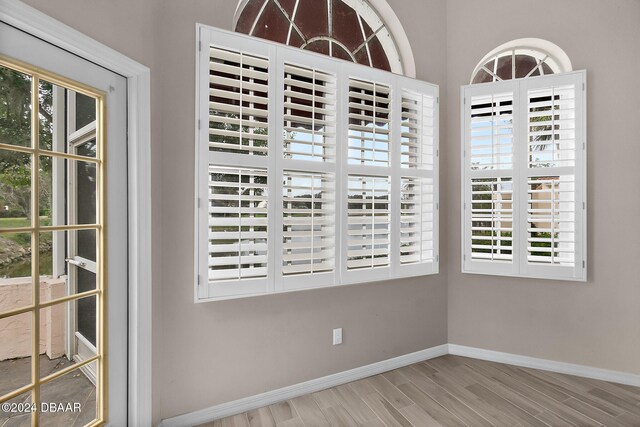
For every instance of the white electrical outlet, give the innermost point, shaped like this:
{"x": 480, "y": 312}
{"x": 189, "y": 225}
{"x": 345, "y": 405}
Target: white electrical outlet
{"x": 337, "y": 336}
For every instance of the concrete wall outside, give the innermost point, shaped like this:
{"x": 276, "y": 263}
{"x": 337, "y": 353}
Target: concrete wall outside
{"x": 15, "y": 331}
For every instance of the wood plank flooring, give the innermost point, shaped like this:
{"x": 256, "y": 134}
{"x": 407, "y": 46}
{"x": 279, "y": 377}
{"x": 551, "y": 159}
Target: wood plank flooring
{"x": 456, "y": 391}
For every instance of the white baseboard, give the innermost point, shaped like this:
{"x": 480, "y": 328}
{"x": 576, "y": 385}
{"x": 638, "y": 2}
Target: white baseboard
{"x": 546, "y": 365}
{"x": 311, "y": 386}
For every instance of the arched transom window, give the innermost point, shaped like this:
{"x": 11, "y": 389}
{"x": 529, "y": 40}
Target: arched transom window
{"x": 347, "y": 29}
{"x": 521, "y": 58}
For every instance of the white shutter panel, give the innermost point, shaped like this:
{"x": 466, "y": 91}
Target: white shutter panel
{"x": 551, "y": 127}
{"x": 416, "y": 221}
{"x": 238, "y": 223}
{"x": 309, "y": 114}
{"x": 491, "y": 131}
{"x": 369, "y": 123}
{"x": 238, "y": 102}
{"x": 308, "y": 229}
{"x": 551, "y": 228}
{"x": 489, "y": 179}
{"x": 417, "y": 137}
{"x": 554, "y": 184}
{"x": 492, "y": 219}
{"x": 368, "y": 222}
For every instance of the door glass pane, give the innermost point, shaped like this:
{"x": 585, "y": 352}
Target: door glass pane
{"x": 53, "y": 321}
{"x": 15, "y": 352}
{"x": 56, "y": 196}
{"x": 69, "y": 400}
{"x": 19, "y": 418}
{"x": 85, "y": 110}
{"x": 15, "y": 108}
{"x": 88, "y": 148}
{"x": 86, "y": 244}
{"x": 46, "y": 114}
{"x": 15, "y": 189}
{"x": 86, "y": 192}
{"x": 15, "y": 262}
{"x": 86, "y": 307}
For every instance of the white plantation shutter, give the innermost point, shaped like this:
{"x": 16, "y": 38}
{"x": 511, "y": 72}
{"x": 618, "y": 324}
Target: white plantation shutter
{"x": 369, "y": 222}
{"x": 491, "y": 131}
{"x": 551, "y": 126}
{"x": 238, "y": 106}
{"x": 308, "y": 230}
{"x": 555, "y": 179}
{"x": 309, "y": 114}
{"x": 492, "y": 219}
{"x": 551, "y": 231}
{"x": 311, "y": 171}
{"x": 238, "y": 224}
{"x": 416, "y": 221}
{"x": 417, "y": 130}
{"x": 369, "y": 123}
{"x": 525, "y": 177}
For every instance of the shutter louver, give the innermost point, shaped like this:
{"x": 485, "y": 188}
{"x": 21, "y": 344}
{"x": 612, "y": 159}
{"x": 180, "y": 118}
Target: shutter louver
{"x": 369, "y": 222}
{"x": 551, "y": 127}
{"x": 491, "y": 132}
{"x": 237, "y": 223}
{"x": 492, "y": 219}
{"x": 308, "y": 223}
{"x": 417, "y": 130}
{"x": 309, "y": 114}
{"x": 238, "y": 102}
{"x": 551, "y": 220}
{"x": 416, "y": 220}
{"x": 369, "y": 123}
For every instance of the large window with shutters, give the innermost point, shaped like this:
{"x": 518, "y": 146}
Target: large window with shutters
{"x": 310, "y": 171}
{"x": 524, "y": 177}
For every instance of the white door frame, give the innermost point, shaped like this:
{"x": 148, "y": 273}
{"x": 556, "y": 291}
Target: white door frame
{"x": 36, "y": 23}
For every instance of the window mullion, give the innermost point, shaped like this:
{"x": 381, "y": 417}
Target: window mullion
{"x": 521, "y": 169}
{"x": 395, "y": 148}
{"x": 276, "y": 172}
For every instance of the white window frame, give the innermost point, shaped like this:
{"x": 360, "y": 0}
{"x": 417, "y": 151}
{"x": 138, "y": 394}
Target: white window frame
{"x": 278, "y": 55}
{"x": 520, "y": 172}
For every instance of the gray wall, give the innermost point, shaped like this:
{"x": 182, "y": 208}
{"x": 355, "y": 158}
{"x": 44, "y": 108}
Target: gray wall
{"x": 595, "y": 323}
{"x": 216, "y": 352}
{"x": 211, "y": 353}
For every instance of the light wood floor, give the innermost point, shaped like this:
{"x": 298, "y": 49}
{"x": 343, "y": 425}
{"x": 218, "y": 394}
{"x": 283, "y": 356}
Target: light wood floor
{"x": 456, "y": 391}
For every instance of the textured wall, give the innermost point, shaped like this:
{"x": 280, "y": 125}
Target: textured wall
{"x": 594, "y": 323}
{"x": 216, "y": 352}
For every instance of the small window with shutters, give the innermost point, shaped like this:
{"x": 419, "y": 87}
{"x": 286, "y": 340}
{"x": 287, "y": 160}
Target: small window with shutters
{"x": 311, "y": 171}
{"x": 524, "y": 177}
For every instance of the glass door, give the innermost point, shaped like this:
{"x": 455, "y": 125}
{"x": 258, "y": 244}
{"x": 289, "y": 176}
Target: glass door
{"x": 63, "y": 237}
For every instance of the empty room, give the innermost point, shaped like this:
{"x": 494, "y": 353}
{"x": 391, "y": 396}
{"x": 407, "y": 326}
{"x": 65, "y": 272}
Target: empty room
{"x": 285, "y": 213}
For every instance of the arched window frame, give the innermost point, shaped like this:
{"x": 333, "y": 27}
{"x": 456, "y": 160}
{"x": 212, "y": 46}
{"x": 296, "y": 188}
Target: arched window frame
{"x": 377, "y": 14}
{"x": 542, "y": 50}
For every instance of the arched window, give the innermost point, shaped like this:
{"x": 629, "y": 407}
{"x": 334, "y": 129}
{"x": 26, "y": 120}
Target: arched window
{"x": 521, "y": 58}
{"x": 353, "y": 30}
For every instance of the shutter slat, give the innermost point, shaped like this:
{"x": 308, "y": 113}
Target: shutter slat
{"x": 309, "y": 114}
{"x": 369, "y": 222}
{"x": 238, "y": 107}
{"x": 551, "y": 220}
{"x": 369, "y": 117}
{"x": 308, "y": 234}
{"x": 238, "y": 223}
